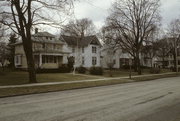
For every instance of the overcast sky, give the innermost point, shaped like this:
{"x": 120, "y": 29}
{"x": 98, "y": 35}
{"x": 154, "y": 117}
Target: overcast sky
{"x": 98, "y": 10}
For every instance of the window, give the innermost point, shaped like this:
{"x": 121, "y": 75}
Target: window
{"x": 114, "y": 61}
{"x": 73, "y": 49}
{"x": 93, "y": 49}
{"x": 43, "y": 59}
{"x": 55, "y": 59}
{"x": 94, "y": 60}
{"x": 46, "y": 37}
{"x": 43, "y": 45}
{"x": 18, "y": 60}
{"x": 82, "y": 60}
{"x": 82, "y": 49}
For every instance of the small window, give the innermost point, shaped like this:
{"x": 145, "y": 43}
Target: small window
{"x": 82, "y": 49}
{"x": 114, "y": 61}
{"x": 46, "y": 37}
{"x": 43, "y": 45}
{"x": 82, "y": 60}
{"x": 94, "y": 60}
{"x": 93, "y": 49}
{"x": 43, "y": 59}
{"x": 73, "y": 49}
{"x": 55, "y": 59}
{"x": 18, "y": 60}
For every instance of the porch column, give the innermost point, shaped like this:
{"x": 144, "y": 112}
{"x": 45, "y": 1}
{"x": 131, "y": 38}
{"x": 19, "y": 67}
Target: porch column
{"x": 40, "y": 60}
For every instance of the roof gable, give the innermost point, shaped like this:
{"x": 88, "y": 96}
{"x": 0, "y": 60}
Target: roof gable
{"x": 74, "y": 41}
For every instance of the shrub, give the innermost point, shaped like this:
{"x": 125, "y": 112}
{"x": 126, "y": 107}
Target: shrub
{"x": 96, "y": 70}
{"x": 126, "y": 67}
{"x": 64, "y": 68}
{"x": 70, "y": 62}
{"x": 155, "y": 70}
{"x": 81, "y": 70}
{"x": 47, "y": 70}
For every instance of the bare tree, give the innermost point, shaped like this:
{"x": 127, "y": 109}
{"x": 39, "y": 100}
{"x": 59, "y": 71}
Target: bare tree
{"x": 133, "y": 22}
{"x": 22, "y": 15}
{"x": 174, "y": 39}
{"x": 79, "y": 28}
{"x": 4, "y": 54}
{"x": 11, "y": 48}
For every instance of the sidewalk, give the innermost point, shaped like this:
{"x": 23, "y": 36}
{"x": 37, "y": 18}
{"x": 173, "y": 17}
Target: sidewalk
{"x": 91, "y": 80}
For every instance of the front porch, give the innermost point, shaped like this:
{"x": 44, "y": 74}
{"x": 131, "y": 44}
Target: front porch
{"x": 48, "y": 61}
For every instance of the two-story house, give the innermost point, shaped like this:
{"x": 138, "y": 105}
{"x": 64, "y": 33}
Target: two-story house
{"x": 115, "y": 57}
{"x": 49, "y": 52}
{"x": 86, "y": 51}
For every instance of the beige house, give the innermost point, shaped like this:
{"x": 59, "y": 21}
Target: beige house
{"x": 49, "y": 52}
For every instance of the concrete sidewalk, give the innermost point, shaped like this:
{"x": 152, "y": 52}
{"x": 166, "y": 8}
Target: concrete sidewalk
{"x": 90, "y": 80}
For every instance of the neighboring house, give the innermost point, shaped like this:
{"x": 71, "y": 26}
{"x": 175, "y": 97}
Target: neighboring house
{"x": 86, "y": 51}
{"x": 49, "y": 52}
{"x": 166, "y": 54}
{"x": 168, "y": 61}
{"x": 119, "y": 58}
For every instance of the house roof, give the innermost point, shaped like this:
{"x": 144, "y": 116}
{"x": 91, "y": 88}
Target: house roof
{"x": 41, "y": 37}
{"x": 71, "y": 40}
{"x": 43, "y": 34}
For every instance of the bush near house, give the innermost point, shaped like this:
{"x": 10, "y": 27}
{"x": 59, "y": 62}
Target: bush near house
{"x": 62, "y": 69}
{"x": 96, "y": 70}
{"x": 155, "y": 70}
{"x": 81, "y": 70}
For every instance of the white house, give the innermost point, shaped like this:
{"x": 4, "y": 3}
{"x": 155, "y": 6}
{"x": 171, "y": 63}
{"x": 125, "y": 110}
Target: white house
{"x": 48, "y": 50}
{"x": 86, "y": 51}
{"x": 117, "y": 56}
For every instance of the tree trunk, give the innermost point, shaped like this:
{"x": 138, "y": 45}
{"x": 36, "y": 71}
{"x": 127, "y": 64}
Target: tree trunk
{"x": 138, "y": 63}
{"x": 30, "y": 60}
{"x": 175, "y": 65}
{"x": 135, "y": 64}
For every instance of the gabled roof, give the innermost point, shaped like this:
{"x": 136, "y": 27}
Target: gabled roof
{"x": 43, "y": 34}
{"x": 41, "y": 37}
{"x": 73, "y": 41}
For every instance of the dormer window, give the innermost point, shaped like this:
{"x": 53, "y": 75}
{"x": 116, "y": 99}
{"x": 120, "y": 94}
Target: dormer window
{"x": 93, "y": 49}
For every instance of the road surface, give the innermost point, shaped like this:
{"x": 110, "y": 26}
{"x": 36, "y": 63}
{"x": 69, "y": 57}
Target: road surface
{"x": 157, "y": 100}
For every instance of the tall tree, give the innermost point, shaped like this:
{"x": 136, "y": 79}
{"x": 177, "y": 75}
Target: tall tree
{"x": 133, "y": 21}
{"x": 12, "y": 41}
{"x": 4, "y": 54}
{"x": 174, "y": 39}
{"x": 23, "y": 15}
{"x": 79, "y": 28}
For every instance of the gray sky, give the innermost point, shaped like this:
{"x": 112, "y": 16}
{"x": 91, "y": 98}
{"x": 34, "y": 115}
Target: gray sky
{"x": 98, "y": 10}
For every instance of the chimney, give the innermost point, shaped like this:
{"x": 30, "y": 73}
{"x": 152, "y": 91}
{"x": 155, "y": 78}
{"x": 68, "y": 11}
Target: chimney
{"x": 36, "y": 30}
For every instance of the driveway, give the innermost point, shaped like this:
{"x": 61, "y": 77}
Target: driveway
{"x": 157, "y": 100}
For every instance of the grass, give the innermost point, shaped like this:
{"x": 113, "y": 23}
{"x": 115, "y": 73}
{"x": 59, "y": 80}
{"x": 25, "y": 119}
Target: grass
{"x": 4, "y": 92}
{"x": 18, "y": 77}
{"x": 121, "y": 73}
{"x": 9, "y": 77}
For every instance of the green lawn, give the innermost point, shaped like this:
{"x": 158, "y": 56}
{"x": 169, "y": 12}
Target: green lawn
{"x": 121, "y": 73}
{"x": 18, "y": 77}
{"x": 9, "y": 77}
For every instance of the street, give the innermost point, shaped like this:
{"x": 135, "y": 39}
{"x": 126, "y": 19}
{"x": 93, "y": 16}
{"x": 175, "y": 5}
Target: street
{"x": 157, "y": 100}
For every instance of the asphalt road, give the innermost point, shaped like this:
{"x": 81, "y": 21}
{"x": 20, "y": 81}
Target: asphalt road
{"x": 157, "y": 100}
